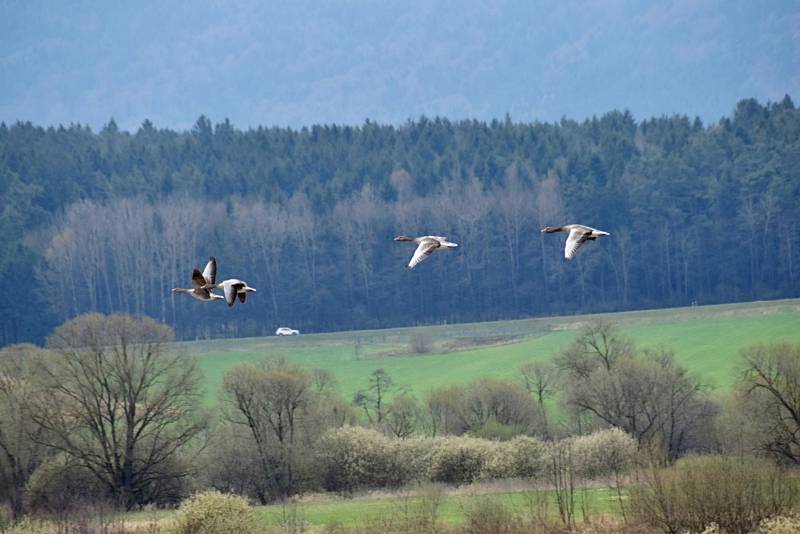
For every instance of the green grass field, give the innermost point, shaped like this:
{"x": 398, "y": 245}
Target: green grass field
{"x": 705, "y": 339}
{"x": 452, "y": 510}
{"x": 329, "y": 511}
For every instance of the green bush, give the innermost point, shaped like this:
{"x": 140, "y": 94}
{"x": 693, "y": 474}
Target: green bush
{"x": 212, "y": 512}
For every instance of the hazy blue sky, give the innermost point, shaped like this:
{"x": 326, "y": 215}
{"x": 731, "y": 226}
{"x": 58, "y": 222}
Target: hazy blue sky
{"x": 300, "y": 63}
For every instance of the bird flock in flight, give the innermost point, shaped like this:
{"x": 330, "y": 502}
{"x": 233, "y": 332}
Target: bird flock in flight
{"x": 204, "y": 283}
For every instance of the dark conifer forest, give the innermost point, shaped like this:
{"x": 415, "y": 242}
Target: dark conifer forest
{"x": 112, "y": 220}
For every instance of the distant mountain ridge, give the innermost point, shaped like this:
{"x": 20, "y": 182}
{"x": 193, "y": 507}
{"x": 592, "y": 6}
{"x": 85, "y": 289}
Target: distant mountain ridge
{"x": 303, "y": 63}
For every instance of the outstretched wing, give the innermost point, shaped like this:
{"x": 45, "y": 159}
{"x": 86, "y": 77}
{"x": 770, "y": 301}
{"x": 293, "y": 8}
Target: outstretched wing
{"x": 576, "y": 238}
{"x": 210, "y": 272}
{"x": 230, "y": 294}
{"x": 242, "y": 296}
{"x": 198, "y": 280}
{"x": 424, "y": 250}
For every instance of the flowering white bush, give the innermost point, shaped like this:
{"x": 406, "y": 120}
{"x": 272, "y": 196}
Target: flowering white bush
{"x": 414, "y": 458}
{"x": 459, "y": 459}
{"x": 354, "y": 457}
{"x": 212, "y": 512}
{"x": 602, "y": 453}
{"x": 357, "y": 457}
{"x": 780, "y": 525}
{"x": 528, "y": 457}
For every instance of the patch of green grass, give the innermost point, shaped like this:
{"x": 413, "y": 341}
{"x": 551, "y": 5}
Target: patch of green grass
{"x": 365, "y": 511}
{"x": 705, "y": 339}
{"x": 352, "y": 512}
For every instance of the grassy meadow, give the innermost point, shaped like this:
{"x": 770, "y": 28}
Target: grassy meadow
{"x": 705, "y": 339}
{"x": 317, "y": 512}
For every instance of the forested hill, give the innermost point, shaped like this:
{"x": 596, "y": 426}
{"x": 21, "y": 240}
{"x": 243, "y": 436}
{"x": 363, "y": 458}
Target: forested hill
{"x": 111, "y": 221}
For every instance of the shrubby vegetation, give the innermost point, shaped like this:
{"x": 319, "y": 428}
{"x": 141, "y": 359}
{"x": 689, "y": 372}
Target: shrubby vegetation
{"x": 734, "y": 493}
{"x": 212, "y": 512}
{"x": 355, "y": 458}
{"x": 106, "y": 418}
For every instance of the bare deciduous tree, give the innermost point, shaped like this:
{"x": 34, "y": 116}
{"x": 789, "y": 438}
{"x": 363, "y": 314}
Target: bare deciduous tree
{"x": 402, "y": 415}
{"x": 650, "y": 397}
{"x": 540, "y": 379}
{"x": 515, "y": 212}
{"x": 118, "y": 401}
{"x": 770, "y": 395}
{"x": 597, "y": 344}
{"x": 549, "y": 207}
{"x": 270, "y": 401}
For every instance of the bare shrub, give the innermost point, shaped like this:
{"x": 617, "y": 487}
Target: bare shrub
{"x": 734, "y": 493}
{"x": 27, "y": 525}
{"x": 488, "y": 515}
{"x": 60, "y": 485}
{"x": 418, "y": 512}
{"x": 421, "y": 341}
{"x": 212, "y": 512}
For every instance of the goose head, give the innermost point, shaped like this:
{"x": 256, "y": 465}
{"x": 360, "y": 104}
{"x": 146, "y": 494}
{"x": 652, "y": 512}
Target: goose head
{"x": 403, "y": 238}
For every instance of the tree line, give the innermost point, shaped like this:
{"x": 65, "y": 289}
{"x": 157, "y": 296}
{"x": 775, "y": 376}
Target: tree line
{"x": 110, "y": 411}
{"x": 110, "y": 221}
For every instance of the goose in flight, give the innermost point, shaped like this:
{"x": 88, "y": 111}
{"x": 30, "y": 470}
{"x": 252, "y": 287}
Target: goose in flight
{"x": 426, "y": 245}
{"x": 200, "y": 281}
{"x": 578, "y": 235}
{"x": 233, "y": 287}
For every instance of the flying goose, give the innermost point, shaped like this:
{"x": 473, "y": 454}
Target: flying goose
{"x": 426, "y": 245}
{"x": 200, "y": 281}
{"x": 578, "y": 235}
{"x": 233, "y": 288}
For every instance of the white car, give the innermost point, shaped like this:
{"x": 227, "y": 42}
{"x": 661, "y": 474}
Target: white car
{"x": 284, "y": 331}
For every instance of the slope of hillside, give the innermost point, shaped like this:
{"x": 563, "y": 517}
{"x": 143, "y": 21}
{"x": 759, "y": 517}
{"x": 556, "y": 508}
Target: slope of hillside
{"x": 705, "y": 339}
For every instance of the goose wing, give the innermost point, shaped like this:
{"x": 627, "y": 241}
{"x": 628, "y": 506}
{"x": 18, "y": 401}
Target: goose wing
{"x": 576, "y": 238}
{"x": 210, "y": 272}
{"x": 425, "y": 249}
{"x": 230, "y": 292}
{"x": 242, "y": 296}
{"x": 198, "y": 280}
